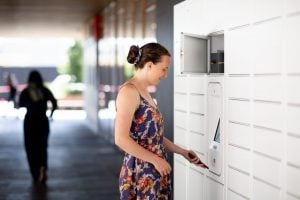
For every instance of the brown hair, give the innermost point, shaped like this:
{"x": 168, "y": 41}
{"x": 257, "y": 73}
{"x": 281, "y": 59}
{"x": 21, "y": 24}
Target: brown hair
{"x": 151, "y": 52}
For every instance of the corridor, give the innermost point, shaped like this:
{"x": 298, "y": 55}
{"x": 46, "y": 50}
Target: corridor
{"x": 81, "y": 165}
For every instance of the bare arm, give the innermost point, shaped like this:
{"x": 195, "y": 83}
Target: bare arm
{"x": 127, "y": 101}
{"x": 53, "y": 102}
{"x": 171, "y": 147}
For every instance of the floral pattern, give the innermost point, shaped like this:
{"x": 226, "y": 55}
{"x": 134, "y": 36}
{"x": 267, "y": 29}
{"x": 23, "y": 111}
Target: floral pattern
{"x": 139, "y": 179}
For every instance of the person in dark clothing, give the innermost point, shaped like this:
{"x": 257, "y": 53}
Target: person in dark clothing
{"x": 36, "y": 125}
{"x": 11, "y": 83}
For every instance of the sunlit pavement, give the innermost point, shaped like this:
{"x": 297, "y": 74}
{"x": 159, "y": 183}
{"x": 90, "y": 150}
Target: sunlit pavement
{"x": 82, "y": 165}
{"x": 7, "y": 111}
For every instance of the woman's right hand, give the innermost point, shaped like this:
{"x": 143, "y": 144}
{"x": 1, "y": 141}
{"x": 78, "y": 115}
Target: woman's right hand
{"x": 162, "y": 166}
{"x": 193, "y": 158}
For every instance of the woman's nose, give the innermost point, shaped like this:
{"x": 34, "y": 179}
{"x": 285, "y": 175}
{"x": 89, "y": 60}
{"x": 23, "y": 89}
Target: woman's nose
{"x": 166, "y": 75}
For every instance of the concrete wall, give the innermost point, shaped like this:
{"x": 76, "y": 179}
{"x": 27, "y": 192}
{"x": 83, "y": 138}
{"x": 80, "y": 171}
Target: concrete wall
{"x": 91, "y": 81}
{"x": 261, "y": 134}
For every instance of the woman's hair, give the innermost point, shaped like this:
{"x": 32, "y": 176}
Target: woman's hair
{"x": 35, "y": 78}
{"x": 151, "y": 52}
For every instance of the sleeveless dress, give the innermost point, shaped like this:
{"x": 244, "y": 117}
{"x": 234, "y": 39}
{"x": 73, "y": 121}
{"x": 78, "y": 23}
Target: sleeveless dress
{"x": 139, "y": 179}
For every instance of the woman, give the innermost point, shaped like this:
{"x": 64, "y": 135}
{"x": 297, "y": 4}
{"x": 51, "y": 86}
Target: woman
{"x": 36, "y": 125}
{"x": 145, "y": 173}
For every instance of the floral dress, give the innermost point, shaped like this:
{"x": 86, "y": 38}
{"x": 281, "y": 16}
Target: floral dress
{"x": 139, "y": 179}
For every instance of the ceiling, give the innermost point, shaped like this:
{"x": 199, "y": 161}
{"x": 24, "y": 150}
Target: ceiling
{"x": 47, "y": 18}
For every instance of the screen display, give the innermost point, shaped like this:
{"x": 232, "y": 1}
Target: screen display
{"x": 217, "y": 133}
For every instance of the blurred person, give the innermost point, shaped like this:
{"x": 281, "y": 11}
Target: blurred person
{"x": 12, "y": 85}
{"x": 36, "y": 124}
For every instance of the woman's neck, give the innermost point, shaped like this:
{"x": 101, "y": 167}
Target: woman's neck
{"x": 140, "y": 80}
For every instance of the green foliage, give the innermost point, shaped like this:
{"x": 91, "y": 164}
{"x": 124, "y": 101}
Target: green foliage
{"x": 75, "y": 65}
{"x": 128, "y": 71}
{"x": 63, "y": 69}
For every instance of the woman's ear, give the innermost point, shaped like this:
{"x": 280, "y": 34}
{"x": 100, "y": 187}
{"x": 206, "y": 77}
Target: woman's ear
{"x": 149, "y": 65}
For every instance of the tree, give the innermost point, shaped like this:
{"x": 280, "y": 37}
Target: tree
{"x": 75, "y": 61}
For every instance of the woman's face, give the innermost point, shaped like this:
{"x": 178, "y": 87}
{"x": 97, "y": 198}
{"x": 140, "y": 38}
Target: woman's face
{"x": 159, "y": 70}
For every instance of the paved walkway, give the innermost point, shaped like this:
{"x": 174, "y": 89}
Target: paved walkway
{"x": 82, "y": 166}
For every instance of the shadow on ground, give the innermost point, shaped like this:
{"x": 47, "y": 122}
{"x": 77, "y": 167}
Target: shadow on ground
{"x": 82, "y": 165}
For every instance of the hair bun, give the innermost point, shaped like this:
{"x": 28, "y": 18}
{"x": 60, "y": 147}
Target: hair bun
{"x": 138, "y": 58}
{"x": 133, "y": 54}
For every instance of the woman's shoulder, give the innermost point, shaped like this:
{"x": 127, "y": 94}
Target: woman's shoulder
{"x": 46, "y": 91}
{"x": 129, "y": 92}
{"x": 128, "y": 89}
{"x": 24, "y": 91}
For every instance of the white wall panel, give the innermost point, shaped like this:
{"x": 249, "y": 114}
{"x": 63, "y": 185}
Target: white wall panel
{"x": 293, "y": 180}
{"x": 263, "y": 191}
{"x": 214, "y": 190}
{"x": 238, "y": 12}
{"x": 292, "y": 119}
{"x": 180, "y": 84}
{"x": 211, "y": 8}
{"x": 197, "y": 103}
{"x": 180, "y": 136}
{"x": 265, "y": 9}
{"x": 180, "y": 159}
{"x": 292, "y": 43}
{"x": 268, "y": 88}
{"x": 197, "y": 84}
{"x": 262, "y": 100}
{"x": 268, "y": 142}
{"x": 268, "y": 115}
{"x": 180, "y": 181}
{"x": 176, "y": 58}
{"x": 239, "y": 111}
{"x": 239, "y": 158}
{"x": 268, "y": 41}
{"x": 234, "y": 196}
{"x": 267, "y": 169}
{"x": 293, "y": 149}
{"x": 292, "y": 6}
{"x": 292, "y": 88}
{"x": 180, "y": 119}
{"x": 239, "y": 87}
{"x": 238, "y": 50}
{"x": 180, "y": 17}
{"x": 198, "y": 143}
{"x": 290, "y": 197}
{"x": 239, "y": 135}
{"x": 196, "y": 185}
{"x": 194, "y": 14}
{"x": 190, "y": 12}
{"x": 180, "y": 101}
{"x": 235, "y": 179}
{"x": 197, "y": 123}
